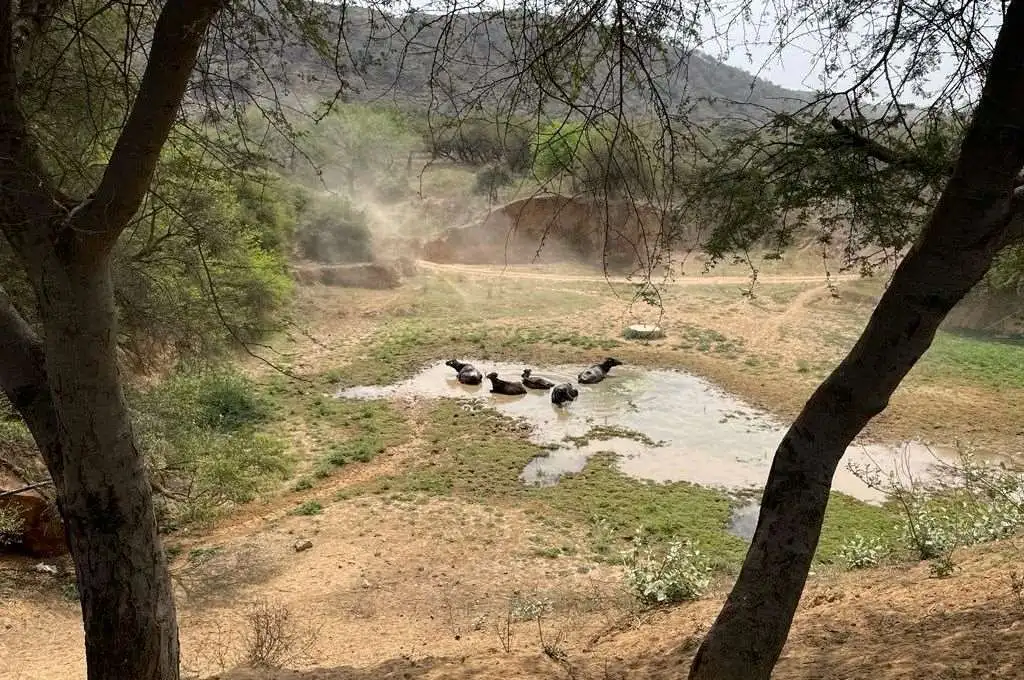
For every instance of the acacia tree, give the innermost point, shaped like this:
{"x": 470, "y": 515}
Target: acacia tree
{"x": 64, "y": 381}
{"x": 974, "y": 214}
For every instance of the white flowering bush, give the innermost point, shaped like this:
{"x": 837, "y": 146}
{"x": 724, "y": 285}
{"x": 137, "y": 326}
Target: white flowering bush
{"x": 862, "y": 552}
{"x": 970, "y": 502}
{"x": 676, "y": 573}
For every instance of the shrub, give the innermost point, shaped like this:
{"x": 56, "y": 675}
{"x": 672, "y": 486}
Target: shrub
{"x": 481, "y": 141}
{"x": 273, "y": 639}
{"x": 861, "y": 553}
{"x": 332, "y": 231}
{"x": 198, "y": 433}
{"x": 968, "y": 503}
{"x": 676, "y": 573}
{"x": 490, "y": 179}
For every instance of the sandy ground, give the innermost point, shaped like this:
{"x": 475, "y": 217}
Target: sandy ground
{"x": 422, "y": 590}
{"x": 410, "y": 592}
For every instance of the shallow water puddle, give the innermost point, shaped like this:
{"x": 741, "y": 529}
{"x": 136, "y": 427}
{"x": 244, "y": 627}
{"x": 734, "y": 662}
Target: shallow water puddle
{"x": 683, "y": 427}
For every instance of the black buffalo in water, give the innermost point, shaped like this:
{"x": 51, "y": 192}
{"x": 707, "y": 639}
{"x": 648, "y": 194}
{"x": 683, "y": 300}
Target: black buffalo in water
{"x": 564, "y": 394}
{"x": 499, "y": 386}
{"x": 535, "y": 383}
{"x": 598, "y": 372}
{"x": 468, "y": 373}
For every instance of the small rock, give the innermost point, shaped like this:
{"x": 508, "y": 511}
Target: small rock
{"x": 303, "y": 544}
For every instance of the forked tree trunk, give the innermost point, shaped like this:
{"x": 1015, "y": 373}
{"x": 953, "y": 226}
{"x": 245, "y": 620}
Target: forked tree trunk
{"x": 972, "y": 220}
{"x": 67, "y": 386}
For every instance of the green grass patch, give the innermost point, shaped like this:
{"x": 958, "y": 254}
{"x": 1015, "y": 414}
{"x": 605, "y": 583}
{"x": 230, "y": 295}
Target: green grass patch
{"x": 616, "y": 505}
{"x": 478, "y": 454}
{"x": 974, "y": 359}
{"x": 355, "y": 430}
{"x": 846, "y": 517}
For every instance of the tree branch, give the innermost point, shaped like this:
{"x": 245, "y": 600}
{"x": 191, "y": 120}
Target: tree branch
{"x": 883, "y": 153}
{"x": 24, "y": 381}
{"x": 178, "y": 34}
{"x": 31, "y": 21}
{"x": 27, "y": 197}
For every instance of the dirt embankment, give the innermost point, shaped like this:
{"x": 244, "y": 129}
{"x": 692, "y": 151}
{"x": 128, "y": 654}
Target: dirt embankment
{"x": 986, "y": 311}
{"x": 549, "y": 229}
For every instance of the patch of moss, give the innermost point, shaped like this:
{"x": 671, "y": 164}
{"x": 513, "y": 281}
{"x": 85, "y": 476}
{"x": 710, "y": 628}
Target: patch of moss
{"x": 606, "y": 432}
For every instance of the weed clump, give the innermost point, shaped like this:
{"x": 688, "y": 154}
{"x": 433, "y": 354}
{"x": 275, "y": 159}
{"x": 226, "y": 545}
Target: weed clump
{"x": 272, "y": 639}
{"x": 308, "y": 508}
{"x": 676, "y": 573}
{"x": 861, "y": 552}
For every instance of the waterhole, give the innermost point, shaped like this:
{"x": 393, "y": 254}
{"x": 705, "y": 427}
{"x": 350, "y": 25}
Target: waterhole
{"x": 663, "y": 425}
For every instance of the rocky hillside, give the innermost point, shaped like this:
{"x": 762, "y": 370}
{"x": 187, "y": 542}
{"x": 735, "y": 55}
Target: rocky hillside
{"x": 451, "y": 63}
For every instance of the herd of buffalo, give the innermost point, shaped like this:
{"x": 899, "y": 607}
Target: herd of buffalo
{"x": 561, "y": 394}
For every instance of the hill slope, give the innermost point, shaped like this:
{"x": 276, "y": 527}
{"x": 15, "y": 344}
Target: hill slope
{"x": 455, "y": 62}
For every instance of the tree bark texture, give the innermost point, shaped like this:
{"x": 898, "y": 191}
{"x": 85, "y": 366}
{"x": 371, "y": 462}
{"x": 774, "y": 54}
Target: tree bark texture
{"x": 970, "y": 223}
{"x": 66, "y": 384}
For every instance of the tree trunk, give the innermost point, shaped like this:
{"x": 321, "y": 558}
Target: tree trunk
{"x": 105, "y": 497}
{"x": 72, "y": 399}
{"x": 970, "y": 223}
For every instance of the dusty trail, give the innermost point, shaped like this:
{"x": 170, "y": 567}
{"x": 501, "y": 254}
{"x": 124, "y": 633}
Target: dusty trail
{"x": 497, "y": 271}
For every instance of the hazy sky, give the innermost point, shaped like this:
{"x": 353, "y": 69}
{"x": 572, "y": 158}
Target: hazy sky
{"x": 752, "y": 46}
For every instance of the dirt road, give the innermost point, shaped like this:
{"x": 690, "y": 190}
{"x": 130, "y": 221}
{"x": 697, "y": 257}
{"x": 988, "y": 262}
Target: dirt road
{"x": 517, "y": 272}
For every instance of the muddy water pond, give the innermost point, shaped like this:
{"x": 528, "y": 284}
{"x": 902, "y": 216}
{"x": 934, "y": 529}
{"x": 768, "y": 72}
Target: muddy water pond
{"x": 663, "y": 425}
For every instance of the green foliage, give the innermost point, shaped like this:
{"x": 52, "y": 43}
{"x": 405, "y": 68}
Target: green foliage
{"x": 332, "y": 231}
{"x": 199, "y": 434}
{"x": 761, "y": 187}
{"x": 204, "y": 266}
{"x": 969, "y": 503}
{"x": 364, "y": 146}
{"x": 481, "y": 141}
{"x": 674, "y": 573}
{"x": 555, "y": 148}
{"x": 1007, "y": 271}
{"x": 308, "y": 508}
{"x": 607, "y": 159}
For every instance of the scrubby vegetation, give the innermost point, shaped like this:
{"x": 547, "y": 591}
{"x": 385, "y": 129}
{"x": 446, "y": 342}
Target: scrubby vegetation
{"x": 205, "y": 440}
